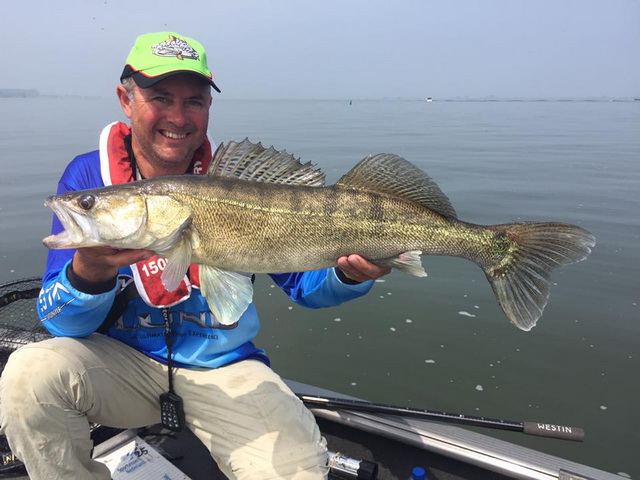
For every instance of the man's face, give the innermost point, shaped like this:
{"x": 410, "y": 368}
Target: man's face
{"x": 168, "y": 123}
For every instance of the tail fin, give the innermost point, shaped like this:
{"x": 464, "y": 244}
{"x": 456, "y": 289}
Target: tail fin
{"x": 520, "y": 277}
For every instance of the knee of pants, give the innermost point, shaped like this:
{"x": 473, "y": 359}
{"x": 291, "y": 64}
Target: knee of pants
{"x": 38, "y": 375}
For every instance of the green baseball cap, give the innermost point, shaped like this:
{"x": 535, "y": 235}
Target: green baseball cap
{"x": 156, "y": 56}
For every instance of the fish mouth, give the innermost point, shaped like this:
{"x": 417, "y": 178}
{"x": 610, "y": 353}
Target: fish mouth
{"x": 78, "y": 229}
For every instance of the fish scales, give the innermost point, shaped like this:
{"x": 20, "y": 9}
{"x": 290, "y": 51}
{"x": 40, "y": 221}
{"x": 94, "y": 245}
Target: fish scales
{"x": 284, "y": 223}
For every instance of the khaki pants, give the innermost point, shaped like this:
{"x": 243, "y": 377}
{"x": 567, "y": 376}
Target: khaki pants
{"x": 251, "y": 422}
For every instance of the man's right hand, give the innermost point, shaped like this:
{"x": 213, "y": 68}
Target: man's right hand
{"x": 101, "y": 264}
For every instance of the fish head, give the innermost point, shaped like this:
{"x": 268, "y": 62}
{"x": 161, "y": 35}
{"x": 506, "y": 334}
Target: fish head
{"x": 134, "y": 215}
{"x": 106, "y": 216}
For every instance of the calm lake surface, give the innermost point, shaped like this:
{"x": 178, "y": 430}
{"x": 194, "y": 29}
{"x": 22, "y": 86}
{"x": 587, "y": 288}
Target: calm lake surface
{"x": 440, "y": 342}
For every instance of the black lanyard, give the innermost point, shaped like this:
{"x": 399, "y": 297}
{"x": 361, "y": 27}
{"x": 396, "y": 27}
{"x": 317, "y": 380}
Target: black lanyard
{"x": 171, "y": 407}
{"x": 169, "y": 342}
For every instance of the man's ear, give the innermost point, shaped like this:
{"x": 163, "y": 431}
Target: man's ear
{"x": 125, "y": 101}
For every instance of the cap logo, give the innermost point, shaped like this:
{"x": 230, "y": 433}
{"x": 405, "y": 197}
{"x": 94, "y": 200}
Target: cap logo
{"x": 175, "y": 47}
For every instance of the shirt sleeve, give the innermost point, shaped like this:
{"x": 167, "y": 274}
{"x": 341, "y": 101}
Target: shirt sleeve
{"x": 68, "y": 312}
{"x": 319, "y": 288}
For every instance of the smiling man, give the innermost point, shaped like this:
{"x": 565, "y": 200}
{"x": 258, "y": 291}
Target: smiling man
{"x": 168, "y": 122}
{"x": 111, "y": 362}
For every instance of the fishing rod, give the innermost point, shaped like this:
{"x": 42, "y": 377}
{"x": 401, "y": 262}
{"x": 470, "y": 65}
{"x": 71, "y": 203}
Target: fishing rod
{"x": 539, "y": 429}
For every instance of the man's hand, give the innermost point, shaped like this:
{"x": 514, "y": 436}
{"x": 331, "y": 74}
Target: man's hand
{"x": 101, "y": 264}
{"x": 358, "y": 269}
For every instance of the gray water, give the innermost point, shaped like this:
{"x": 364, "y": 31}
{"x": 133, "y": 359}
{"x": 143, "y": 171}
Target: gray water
{"x": 439, "y": 342}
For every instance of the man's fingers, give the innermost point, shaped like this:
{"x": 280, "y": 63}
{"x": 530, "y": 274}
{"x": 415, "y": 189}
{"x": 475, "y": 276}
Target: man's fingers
{"x": 98, "y": 264}
{"x": 359, "y": 269}
{"x": 128, "y": 257}
{"x": 367, "y": 268}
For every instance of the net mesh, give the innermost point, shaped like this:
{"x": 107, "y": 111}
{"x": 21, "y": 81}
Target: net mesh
{"x": 19, "y": 322}
{"x": 19, "y": 325}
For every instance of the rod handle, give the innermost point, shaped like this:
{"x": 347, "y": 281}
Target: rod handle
{"x": 539, "y": 429}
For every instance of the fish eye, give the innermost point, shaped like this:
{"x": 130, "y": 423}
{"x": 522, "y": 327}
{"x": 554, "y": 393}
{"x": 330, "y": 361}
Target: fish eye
{"x": 86, "y": 201}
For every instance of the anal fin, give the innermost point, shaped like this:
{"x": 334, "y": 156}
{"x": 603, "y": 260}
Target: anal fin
{"x": 408, "y": 262}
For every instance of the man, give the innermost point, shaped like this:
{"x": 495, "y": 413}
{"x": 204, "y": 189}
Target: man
{"x": 240, "y": 409}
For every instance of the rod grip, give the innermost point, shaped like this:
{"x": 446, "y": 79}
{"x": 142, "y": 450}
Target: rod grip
{"x": 539, "y": 429}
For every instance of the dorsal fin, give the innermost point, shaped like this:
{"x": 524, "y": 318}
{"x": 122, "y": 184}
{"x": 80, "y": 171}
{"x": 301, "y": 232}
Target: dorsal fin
{"x": 393, "y": 175}
{"x": 253, "y": 162}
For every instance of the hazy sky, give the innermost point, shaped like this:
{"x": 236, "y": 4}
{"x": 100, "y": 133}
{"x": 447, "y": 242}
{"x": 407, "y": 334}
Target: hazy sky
{"x": 339, "y": 48}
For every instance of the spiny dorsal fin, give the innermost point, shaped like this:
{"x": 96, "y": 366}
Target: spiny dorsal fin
{"x": 253, "y": 162}
{"x": 393, "y": 175}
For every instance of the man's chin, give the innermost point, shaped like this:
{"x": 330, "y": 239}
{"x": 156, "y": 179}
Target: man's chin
{"x": 178, "y": 159}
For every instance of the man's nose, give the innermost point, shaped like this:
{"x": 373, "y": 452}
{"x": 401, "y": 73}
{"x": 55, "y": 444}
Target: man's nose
{"x": 178, "y": 115}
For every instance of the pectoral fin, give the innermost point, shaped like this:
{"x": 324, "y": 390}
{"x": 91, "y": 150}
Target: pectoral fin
{"x": 228, "y": 293}
{"x": 179, "y": 256}
{"x": 178, "y": 260}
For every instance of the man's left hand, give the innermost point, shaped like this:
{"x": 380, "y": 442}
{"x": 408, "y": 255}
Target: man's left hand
{"x": 356, "y": 268}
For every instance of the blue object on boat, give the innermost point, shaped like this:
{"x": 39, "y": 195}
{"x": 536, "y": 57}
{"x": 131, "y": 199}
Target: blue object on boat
{"x": 418, "y": 473}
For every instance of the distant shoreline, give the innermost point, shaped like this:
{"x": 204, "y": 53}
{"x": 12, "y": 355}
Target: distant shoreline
{"x": 19, "y": 93}
{"x": 34, "y": 93}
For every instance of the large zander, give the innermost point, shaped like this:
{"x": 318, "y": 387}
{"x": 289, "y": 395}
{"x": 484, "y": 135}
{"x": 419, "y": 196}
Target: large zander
{"x": 260, "y": 210}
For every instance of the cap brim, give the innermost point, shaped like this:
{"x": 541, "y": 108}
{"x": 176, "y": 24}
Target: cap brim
{"x": 144, "y": 81}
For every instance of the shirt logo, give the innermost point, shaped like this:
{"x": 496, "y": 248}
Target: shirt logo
{"x": 175, "y": 47}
